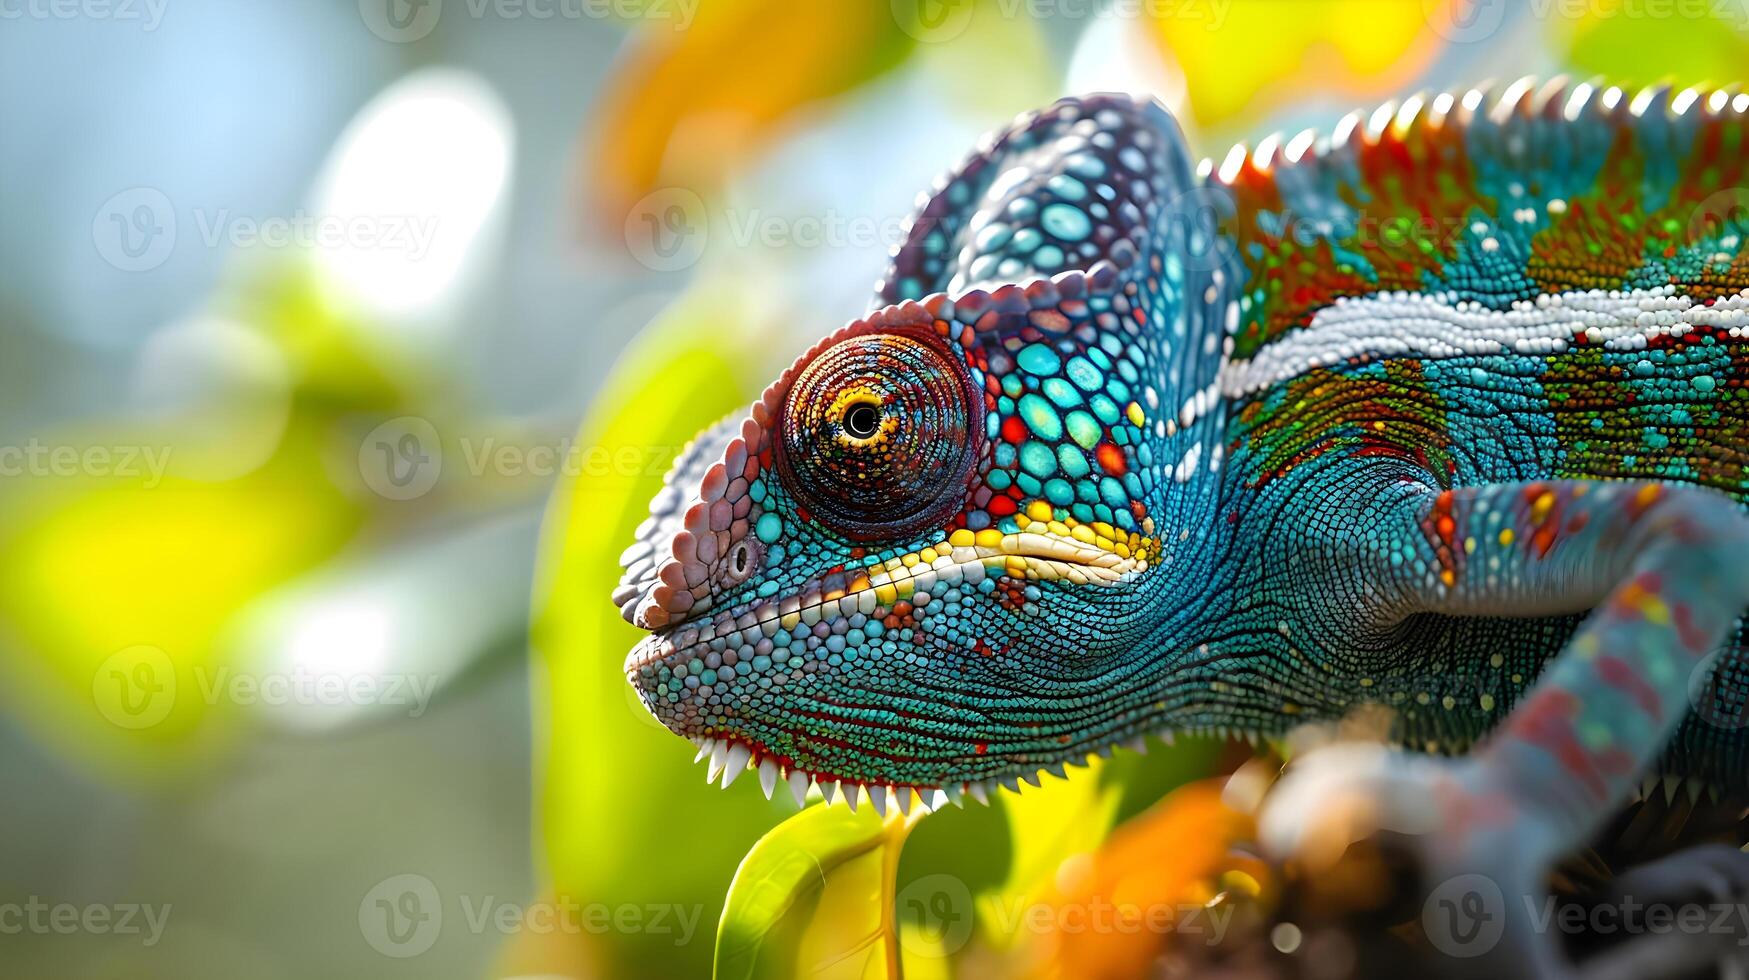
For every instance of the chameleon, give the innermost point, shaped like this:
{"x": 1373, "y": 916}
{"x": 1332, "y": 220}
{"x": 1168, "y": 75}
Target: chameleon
{"x": 1444, "y": 412}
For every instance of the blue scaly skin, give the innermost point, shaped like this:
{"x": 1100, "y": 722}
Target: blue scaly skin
{"x": 1442, "y": 413}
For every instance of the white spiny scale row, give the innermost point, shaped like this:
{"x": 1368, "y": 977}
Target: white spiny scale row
{"x": 1523, "y": 98}
{"x": 725, "y": 759}
{"x": 1437, "y": 325}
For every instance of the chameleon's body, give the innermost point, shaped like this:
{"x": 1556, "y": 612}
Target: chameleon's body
{"x": 1318, "y": 427}
{"x": 1524, "y": 297}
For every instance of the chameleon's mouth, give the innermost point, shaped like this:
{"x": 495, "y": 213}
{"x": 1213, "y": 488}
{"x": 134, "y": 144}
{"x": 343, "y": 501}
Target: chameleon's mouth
{"x": 681, "y": 671}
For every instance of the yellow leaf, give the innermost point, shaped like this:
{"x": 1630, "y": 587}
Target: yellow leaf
{"x": 1244, "y": 58}
{"x": 115, "y": 589}
{"x": 1058, "y": 822}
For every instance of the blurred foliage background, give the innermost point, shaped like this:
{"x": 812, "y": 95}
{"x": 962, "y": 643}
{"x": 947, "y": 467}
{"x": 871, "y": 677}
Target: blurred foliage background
{"x": 345, "y": 342}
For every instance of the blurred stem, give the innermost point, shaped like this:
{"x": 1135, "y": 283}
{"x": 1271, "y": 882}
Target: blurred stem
{"x": 898, "y": 828}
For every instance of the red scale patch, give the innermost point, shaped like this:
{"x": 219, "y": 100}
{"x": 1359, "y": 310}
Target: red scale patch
{"x": 1111, "y": 459}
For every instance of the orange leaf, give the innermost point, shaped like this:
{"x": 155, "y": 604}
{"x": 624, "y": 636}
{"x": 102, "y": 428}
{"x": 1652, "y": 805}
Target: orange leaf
{"x": 685, "y": 107}
{"x": 1114, "y": 915}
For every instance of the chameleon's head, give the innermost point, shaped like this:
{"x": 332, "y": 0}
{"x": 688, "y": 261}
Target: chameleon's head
{"x": 926, "y": 555}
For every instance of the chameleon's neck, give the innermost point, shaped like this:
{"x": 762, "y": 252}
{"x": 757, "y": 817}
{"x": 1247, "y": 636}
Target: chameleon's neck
{"x": 1187, "y": 432}
{"x": 1199, "y": 507}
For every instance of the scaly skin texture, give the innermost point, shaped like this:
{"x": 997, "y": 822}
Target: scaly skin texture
{"x": 1125, "y": 448}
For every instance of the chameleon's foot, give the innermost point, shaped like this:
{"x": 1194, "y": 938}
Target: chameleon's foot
{"x": 1348, "y": 792}
{"x": 1379, "y": 830}
{"x": 1682, "y": 915}
{"x": 1706, "y": 874}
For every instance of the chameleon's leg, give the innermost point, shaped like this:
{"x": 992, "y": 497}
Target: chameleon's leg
{"x": 1705, "y": 874}
{"x": 1711, "y": 877}
{"x": 1664, "y": 570}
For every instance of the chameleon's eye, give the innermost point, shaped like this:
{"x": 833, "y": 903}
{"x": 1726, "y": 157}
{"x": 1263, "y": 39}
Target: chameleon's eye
{"x": 878, "y": 436}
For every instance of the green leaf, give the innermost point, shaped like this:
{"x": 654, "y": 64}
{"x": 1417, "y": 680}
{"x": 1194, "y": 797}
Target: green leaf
{"x": 814, "y": 898}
